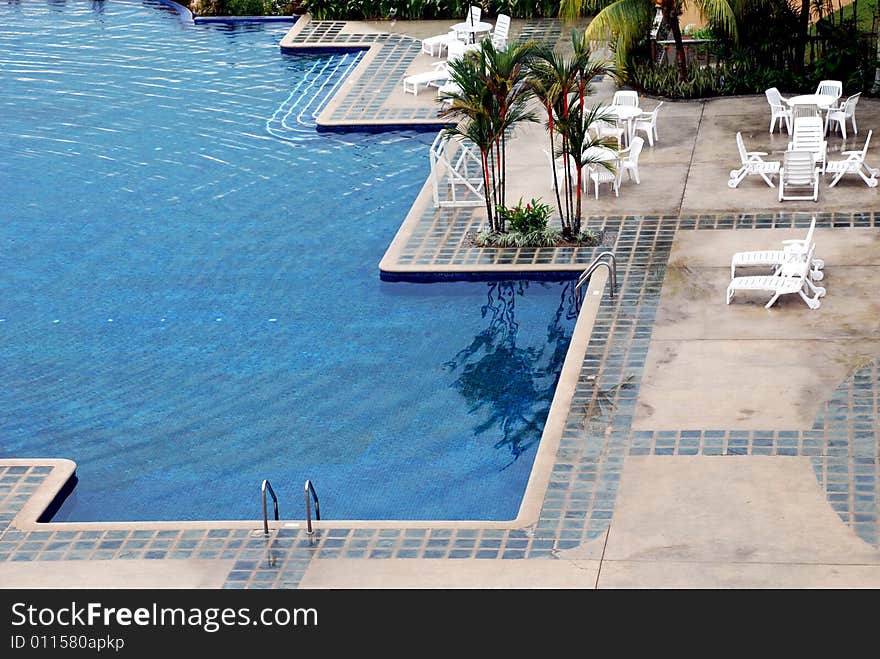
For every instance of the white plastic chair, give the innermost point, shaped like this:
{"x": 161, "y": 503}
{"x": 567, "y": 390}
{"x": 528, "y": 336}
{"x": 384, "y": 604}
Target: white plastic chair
{"x": 794, "y": 279}
{"x": 625, "y": 97}
{"x": 472, "y": 17}
{"x": 793, "y": 251}
{"x": 798, "y": 171}
{"x": 629, "y": 161}
{"x": 647, "y": 123}
{"x": 559, "y": 164}
{"x": 853, "y": 164}
{"x": 501, "y": 31}
{"x": 846, "y": 110}
{"x": 752, "y": 163}
{"x": 808, "y": 134}
{"x": 600, "y": 175}
{"x": 830, "y": 88}
{"x": 778, "y": 109}
{"x": 605, "y": 128}
{"x": 799, "y": 110}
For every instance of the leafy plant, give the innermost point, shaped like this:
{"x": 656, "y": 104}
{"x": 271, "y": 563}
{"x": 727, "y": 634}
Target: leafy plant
{"x": 245, "y": 7}
{"x": 588, "y": 237}
{"x": 702, "y": 33}
{"x": 526, "y": 219}
{"x": 546, "y": 237}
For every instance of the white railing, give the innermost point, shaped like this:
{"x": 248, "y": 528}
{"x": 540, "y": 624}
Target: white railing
{"x": 456, "y": 173}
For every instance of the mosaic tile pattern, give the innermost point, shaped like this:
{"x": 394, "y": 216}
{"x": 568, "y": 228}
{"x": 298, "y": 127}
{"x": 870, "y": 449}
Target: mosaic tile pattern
{"x": 17, "y": 484}
{"x": 380, "y": 79}
{"x": 439, "y": 239}
{"x": 545, "y": 31}
{"x": 365, "y": 100}
{"x": 579, "y": 502}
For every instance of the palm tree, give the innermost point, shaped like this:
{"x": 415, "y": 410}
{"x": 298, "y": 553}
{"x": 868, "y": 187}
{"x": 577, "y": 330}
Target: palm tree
{"x": 557, "y": 81}
{"x": 579, "y": 151}
{"x": 491, "y": 99}
{"x": 628, "y": 21}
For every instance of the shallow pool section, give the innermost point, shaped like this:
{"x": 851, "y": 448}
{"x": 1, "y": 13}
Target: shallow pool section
{"x": 191, "y": 304}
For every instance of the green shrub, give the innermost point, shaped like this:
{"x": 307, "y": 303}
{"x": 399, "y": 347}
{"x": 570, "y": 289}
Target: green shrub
{"x": 245, "y": 7}
{"x": 539, "y": 238}
{"x": 453, "y": 10}
{"x": 547, "y": 237}
{"x": 588, "y": 237}
{"x": 525, "y": 219}
{"x": 542, "y": 238}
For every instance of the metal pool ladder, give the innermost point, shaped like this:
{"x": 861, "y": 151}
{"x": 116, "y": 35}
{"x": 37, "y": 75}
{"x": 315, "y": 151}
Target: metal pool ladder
{"x": 310, "y": 495}
{"x": 267, "y": 486}
{"x": 609, "y": 261}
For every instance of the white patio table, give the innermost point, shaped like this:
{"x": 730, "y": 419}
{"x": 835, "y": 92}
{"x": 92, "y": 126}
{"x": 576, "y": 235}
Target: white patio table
{"x": 821, "y": 101}
{"x": 471, "y": 29}
{"x": 624, "y": 113}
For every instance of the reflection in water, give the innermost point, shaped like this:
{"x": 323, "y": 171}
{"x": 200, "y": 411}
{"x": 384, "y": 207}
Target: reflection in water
{"x": 517, "y": 384}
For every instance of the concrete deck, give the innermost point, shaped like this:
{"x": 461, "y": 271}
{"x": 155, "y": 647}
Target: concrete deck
{"x": 681, "y": 451}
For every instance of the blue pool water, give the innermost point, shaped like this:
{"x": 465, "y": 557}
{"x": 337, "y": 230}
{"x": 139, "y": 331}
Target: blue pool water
{"x": 190, "y": 299}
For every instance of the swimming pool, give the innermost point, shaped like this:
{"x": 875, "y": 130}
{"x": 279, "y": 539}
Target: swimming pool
{"x": 191, "y": 300}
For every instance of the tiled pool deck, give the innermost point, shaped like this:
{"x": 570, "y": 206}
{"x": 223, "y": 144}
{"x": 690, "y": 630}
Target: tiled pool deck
{"x": 587, "y": 458}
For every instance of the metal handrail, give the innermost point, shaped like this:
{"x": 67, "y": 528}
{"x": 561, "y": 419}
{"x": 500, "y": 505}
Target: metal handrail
{"x": 268, "y": 486}
{"x": 310, "y": 490}
{"x": 600, "y": 260}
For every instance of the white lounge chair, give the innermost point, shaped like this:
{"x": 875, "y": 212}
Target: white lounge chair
{"x": 853, "y": 164}
{"x": 438, "y": 74}
{"x": 793, "y": 251}
{"x": 752, "y": 163}
{"x": 798, "y": 171}
{"x": 788, "y": 281}
{"x": 435, "y": 45}
{"x": 647, "y": 123}
{"x": 847, "y": 110}
{"x": 778, "y": 109}
{"x": 412, "y": 83}
{"x": 808, "y": 134}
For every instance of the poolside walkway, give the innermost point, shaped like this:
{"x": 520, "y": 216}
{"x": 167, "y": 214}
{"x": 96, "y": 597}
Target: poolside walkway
{"x": 690, "y": 443}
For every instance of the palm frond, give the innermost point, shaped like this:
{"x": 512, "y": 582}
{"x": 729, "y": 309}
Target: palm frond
{"x": 624, "y": 22}
{"x": 572, "y": 9}
{"x": 720, "y": 12}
